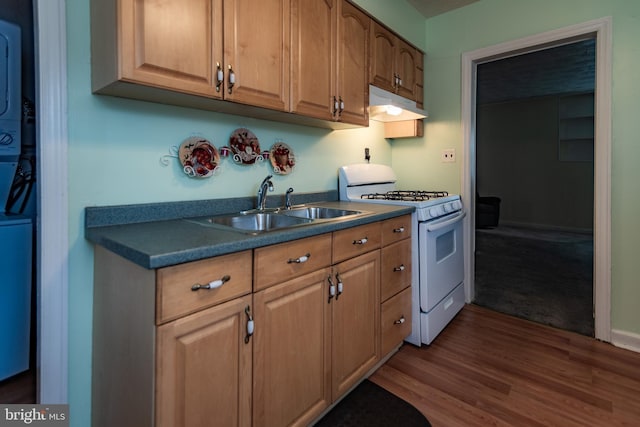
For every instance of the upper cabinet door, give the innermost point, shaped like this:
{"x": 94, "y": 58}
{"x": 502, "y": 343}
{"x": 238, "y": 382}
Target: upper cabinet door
{"x": 383, "y": 53}
{"x": 256, "y": 52}
{"x": 353, "y": 64}
{"x": 170, "y": 44}
{"x": 395, "y": 66}
{"x": 313, "y": 76}
{"x": 406, "y": 69}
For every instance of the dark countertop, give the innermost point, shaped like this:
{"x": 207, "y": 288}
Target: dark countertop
{"x": 170, "y": 238}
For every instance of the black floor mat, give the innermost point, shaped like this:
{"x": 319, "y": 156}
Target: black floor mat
{"x": 370, "y": 405}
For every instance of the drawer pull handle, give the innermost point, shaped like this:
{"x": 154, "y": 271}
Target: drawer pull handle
{"x": 401, "y": 268}
{"x": 299, "y": 260}
{"x": 400, "y": 321}
{"x": 212, "y": 285}
{"x": 398, "y": 230}
{"x": 247, "y": 311}
{"x": 360, "y": 241}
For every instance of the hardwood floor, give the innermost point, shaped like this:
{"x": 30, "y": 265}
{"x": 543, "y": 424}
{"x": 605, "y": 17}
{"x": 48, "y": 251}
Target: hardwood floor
{"x": 20, "y": 388}
{"x": 488, "y": 368}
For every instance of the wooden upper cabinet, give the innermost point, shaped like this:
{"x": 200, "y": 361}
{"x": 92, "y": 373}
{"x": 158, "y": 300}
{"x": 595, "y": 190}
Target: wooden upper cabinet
{"x": 169, "y": 44}
{"x": 406, "y": 69}
{"x": 256, "y": 52}
{"x": 396, "y": 66}
{"x": 329, "y": 60}
{"x": 353, "y": 64}
{"x": 313, "y": 57}
{"x": 382, "y": 56}
{"x": 178, "y": 45}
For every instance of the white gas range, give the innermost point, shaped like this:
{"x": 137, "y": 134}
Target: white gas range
{"x": 436, "y": 245}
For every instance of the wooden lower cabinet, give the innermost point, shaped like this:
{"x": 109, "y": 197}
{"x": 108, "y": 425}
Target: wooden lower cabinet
{"x": 166, "y": 355}
{"x": 395, "y": 320}
{"x": 355, "y": 321}
{"x": 311, "y": 347}
{"x": 204, "y": 368}
{"x": 292, "y": 358}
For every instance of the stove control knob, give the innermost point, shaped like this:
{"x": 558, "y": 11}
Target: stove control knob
{"x": 433, "y": 212}
{"x": 447, "y": 207}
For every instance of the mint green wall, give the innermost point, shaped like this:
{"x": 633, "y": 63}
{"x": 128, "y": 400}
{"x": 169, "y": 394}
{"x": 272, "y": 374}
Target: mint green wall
{"x": 115, "y": 147}
{"x": 489, "y": 22}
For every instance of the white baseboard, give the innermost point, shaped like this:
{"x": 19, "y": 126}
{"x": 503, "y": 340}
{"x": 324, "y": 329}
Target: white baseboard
{"x": 626, "y": 340}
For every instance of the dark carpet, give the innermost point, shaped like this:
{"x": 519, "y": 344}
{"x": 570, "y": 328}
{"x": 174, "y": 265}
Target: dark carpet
{"x": 546, "y": 277}
{"x": 372, "y": 406}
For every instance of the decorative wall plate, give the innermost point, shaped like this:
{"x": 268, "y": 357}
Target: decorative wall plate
{"x": 199, "y": 157}
{"x": 244, "y": 146}
{"x": 282, "y": 158}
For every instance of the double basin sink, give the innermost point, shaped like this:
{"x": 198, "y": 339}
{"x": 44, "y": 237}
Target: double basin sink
{"x": 256, "y": 221}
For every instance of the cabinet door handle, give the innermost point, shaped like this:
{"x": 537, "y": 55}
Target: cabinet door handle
{"x": 340, "y": 285}
{"x": 247, "y": 337}
{"x": 219, "y": 76}
{"x": 232, "y": 79}
{"x": 299, "y": 260}
{"x": 212, "y": 285}
{"x": 400, "y": 321}
{"x": 332, "y": 289}
{"x": 341, "y": 104}
{"x": 398, "y": 230}
{"x": 400, "y": 268}
{"x": 360, "y": 241}
{"x": 335, "y": 106}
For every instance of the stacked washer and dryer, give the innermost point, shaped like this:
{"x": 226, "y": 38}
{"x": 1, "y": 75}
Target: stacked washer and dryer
{"x": 15, "y": 229}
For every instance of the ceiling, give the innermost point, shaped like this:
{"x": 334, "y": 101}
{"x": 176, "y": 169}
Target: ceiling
{"x": 430, "y": 8}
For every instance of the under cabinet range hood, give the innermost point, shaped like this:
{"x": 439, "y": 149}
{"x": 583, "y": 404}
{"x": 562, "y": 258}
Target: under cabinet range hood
{"x": 385, "y": 106}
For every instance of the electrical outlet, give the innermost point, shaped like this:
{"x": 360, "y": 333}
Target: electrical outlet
{"x": 448, "y": 155}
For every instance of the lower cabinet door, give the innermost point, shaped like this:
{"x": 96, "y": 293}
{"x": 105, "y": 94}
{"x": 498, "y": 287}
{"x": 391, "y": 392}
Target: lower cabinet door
{"x": 395, "y": 320}
{"x": 204, "y": 371}
{"x": 292, "y": 351}
{"x": 356, "y": 320}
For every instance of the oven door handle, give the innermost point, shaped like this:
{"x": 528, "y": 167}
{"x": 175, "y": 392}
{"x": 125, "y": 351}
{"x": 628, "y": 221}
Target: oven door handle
{"x": 440, "y": 225}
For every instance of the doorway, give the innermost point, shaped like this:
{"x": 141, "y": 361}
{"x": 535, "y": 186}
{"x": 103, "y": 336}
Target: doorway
{"x": 600, "y": 30}
{"x": 534, "y": 158}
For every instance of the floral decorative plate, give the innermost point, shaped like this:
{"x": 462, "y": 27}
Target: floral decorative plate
{"x": 244, "y": 146}
{"x": 282, "y": 158}
{"x": 199, "y": 157}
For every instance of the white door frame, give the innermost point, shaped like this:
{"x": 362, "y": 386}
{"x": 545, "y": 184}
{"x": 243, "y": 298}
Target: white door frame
{"x": 52, "y": 221}
{"x": 601, "y": 29}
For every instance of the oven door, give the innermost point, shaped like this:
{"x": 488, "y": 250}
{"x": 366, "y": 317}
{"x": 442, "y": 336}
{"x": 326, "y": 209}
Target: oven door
{"x": 441, "y": 258}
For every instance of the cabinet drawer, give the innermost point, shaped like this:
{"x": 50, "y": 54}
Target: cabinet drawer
{"x": 396, "y": 229}
{"x": 175, "y": 296}
{"x": 396, "y": 268}
{"x": 281, "y": 262}
{"x": 355, "y": 241}
{"x": 394, "y": 329}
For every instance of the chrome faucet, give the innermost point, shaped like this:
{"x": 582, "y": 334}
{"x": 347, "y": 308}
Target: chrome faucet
{"x": 262, "y": 192}
{"x": 287, "y": 198}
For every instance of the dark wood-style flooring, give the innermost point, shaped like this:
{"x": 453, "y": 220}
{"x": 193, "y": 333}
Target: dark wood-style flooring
{"x": 490, "y": 369}
{"x": 20, "y": 388}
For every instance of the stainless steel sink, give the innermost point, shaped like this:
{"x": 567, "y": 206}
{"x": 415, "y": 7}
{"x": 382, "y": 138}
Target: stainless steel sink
{"x": 255, "y": 222}
{"x": 318, "y": 212}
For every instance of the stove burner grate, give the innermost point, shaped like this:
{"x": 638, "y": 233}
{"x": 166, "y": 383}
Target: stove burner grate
{"x": 406, "y": 195}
